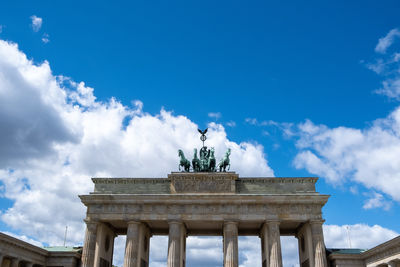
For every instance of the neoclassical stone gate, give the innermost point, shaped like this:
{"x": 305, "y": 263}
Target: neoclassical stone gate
{"x": 203, "y": 204}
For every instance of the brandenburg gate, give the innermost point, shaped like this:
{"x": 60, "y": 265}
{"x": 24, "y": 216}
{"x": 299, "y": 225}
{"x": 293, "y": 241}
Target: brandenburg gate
{"x": 209, "y": 203}
{"x": 203, "y": 202}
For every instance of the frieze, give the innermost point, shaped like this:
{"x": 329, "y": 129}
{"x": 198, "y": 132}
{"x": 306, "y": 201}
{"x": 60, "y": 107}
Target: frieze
{"x": 130, "y": 180}
{"x": 202, "y": 183}
{"x": 158, "y": 209}
{"x": 274, "y": 180}
{"x": 201, "y": 186}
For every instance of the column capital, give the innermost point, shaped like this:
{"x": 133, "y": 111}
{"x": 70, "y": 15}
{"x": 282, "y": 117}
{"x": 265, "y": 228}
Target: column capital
{"x": 274, "y": 221}
{"x": 231, "y": 222}
{"x": 91, "y": 221}
{"x": 318, "y": 221}
{"x": 91, "y": 225}
{"x": 14, "y": 262}
{"x": 175, "y": 222}
{"x": 133, "y": 222}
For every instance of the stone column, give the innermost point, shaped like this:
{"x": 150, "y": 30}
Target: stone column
{"x": 132, "y": 247}
{"x": 176, "y": 244}
{"x": 1, "y": 259}
{"x": 146, "y": 246}
{"x": 305, "y": 245}
{"x": 318, "y": 243}
{"x": 275, "y": 253}
{"x": 89, "y": 246}
{"x": 14, "y": 263}
{"x": 264, "y": 234}
{"x": 231, "y": 258}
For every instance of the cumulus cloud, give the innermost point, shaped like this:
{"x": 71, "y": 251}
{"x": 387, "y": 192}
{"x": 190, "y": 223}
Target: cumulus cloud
{"x": 369, "y": 156}
{"x": 36, "y": 23}
{"x": 30, "y": 109}
{"x": 360, "y": 236}
{"x": 56, "y": 135}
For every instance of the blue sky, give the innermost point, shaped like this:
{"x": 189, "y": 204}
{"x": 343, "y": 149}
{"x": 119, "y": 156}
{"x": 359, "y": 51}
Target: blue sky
{"x": 307, "y": 81}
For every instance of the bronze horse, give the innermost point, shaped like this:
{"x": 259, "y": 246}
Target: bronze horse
{"x": 183, "y": 162}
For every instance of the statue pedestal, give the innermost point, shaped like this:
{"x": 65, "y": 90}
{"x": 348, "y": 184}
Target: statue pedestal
{"x": 203, "y": 182}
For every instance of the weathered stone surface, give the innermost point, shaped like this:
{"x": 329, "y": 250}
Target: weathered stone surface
{"x": 176, "y": 244}
{"x": 275, "y": 185}
{"x": 207, "y": 203}
{"x": 131, "y": 186}
{"x": 200, "y": 183}
{"x": 197, "y": 183}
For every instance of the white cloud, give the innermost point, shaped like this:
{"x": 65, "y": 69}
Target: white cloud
{"x": 63, "y": 135}
{"x": 56, "y": 135}
{"x": 388, "y": 66}
{"x": 360, "y": 236}
{"x": 214, "y": 115}
{"x": 385, "y": 42}
{"x": 377, "y": 200}
{"x": 378, "y": 67}
{"x": 45, "y": 38}
{"x": 370, "y": 156}
{"x": 251, "y": 121}
{"x": 255, "y": 122}
{"x": 286, "y": 127}
{"x": 231, "y": 124}
{"x": 36, "y": 23}
{"x": 390, "y": 88}
{"x": 29, "y": 132}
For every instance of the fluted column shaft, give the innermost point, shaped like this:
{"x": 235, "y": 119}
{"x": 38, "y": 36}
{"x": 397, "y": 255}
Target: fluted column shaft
{"x": 275, "y": 253}
{"x": 89, "y": 246}
{"x": 132, "y": 247}
{"x": 14, "y": 263}
{"x": 264, "y": 234}
{"x": 231, "y": 258}
{"x": 176, "y": 244}
{"x": 318, "y": 243}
